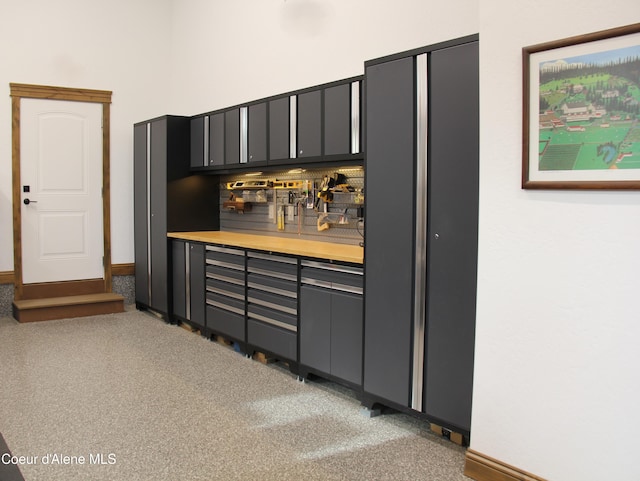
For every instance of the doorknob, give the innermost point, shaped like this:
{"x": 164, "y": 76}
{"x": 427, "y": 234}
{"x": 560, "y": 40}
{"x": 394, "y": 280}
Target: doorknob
{"x": 27, "y": 202}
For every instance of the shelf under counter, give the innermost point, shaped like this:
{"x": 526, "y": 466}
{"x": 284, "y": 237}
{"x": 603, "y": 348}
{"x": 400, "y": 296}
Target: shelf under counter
{"x": 284, "y": 245}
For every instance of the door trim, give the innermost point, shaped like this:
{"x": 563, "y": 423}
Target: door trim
{"x": 20, "y": 91}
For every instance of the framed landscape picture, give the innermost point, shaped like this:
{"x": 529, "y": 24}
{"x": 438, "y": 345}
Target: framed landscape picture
{"x": 581, "y": 112}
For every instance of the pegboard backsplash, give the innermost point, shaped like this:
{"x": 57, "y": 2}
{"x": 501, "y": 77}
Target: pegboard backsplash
{"x": 305, "y": 215}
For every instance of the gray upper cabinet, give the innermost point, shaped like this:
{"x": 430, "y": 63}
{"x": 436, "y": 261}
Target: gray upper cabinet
{"x": 216, "y": 140}
{"x": 279, "y": 130}
{"x": 257, "y": 133}
{"x": 309, "y": 129}
{"x": 337, "y": 120}
{"x": 319, "y": 124}
{"x": 199, "y": 157}
{"x": 232, "y": 137}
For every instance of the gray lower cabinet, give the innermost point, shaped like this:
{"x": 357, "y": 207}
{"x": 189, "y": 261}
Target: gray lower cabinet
{"x": 331, "y": 320}
{"x": 188, "y": 274}
{"x": 272, "y": 304}
{"x": 225, "y": 292}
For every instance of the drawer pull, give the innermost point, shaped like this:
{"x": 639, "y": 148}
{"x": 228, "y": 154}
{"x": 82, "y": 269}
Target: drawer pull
{"x": 230, "y": 280}
{"x": 273, "y": 290}
{"x": 271, "y": 305}
{"x": 268, "y": 257}
{"x": 235, "y": 310}
{"x": 332, "y": 267}
{"x": 334, "y": 286}
{"x": 226, "y": 265}
{"x": 233, "y": 295}
{"x": 277, "y": 275}
{"x": 225, "y": 250}
{"x": 273, "y": 322}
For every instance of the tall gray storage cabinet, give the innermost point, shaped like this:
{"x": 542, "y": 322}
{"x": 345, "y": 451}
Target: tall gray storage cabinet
{"x": 421, "y": 231}
{"x": 167, "y": 198}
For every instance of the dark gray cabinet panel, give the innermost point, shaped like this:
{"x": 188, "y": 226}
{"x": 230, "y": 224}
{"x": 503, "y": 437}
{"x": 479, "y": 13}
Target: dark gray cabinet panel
{"x": 158, "y": 199}
{"x": 188, "y": 281}
{"x": 309, "y": 124}
{"x": 140, "y": 224}
{"x": 452, "y": 257}
{"x": 337, "y": 120}
{"x": 389, "y": 229}
{"x": 279, "y": 129}
{"x": 346, "y": 336}
{"x": 197, "y": 288}
{"x": 257, "y": 134}
{"x": 216, "y": 139}
{"x": 198, "y": 143}
{"x": 315, "y": 328}
{"x": 232, "y": 137}
{"x": 179, "y": 278}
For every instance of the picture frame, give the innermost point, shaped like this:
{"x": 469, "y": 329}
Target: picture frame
{"x": 581, "y": 112}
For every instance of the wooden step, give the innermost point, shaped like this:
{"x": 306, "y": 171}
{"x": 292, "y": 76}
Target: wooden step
{"x": 71, "y": 306}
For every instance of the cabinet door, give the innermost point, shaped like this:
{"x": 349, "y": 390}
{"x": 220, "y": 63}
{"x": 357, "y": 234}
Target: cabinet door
{"x": 279, "y": 129}
{"x": 315, "y": 328}
{"x": 216, "y": 139}
{"x": 158, "y": 199}
{"x": 197, "y": 287}
{"x": 310, "y": 124}
{"x": 232, "y": 137}
{"x": 389, "y": 229}
{"x": 346, "y": 336}
{"x": 337, "y": 120}
{"x": 179, "y": 280}
{"x": 453, "y": 217}
{"x": 257, "y": 134}
{"x": 141, "y": 222}
{"x": 198, "y": 157}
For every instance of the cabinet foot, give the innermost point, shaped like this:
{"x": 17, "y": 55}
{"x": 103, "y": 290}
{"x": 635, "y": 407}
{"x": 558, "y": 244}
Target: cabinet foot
{"x": 450, "y": 435}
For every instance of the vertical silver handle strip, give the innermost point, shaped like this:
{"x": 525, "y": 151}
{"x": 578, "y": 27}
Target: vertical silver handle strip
{"x": 205, "y": 160}
{"x": 187, "y": 278}
{"x": 420, "y": 273}
{"x": 243, "y": 135}
{"x": 355, "y": 117}
{"x": 293, "y": 126}
{"x": 149, "y": 211}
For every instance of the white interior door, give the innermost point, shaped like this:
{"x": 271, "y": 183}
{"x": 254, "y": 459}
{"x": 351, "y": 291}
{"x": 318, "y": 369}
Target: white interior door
{"x": 61, "y": 184}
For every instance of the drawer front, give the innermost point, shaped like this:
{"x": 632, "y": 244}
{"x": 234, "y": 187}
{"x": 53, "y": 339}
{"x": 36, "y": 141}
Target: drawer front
{"x": 225, "y": 322}
{"x": 226, "y": 275}
{"x": 272, "y": 285}
{"x": 273, "y": 301}
{"x": 330, "y": 276}
{"x": 273, "y": 339}
{"x": 271, "y": 268}
{"x": 273, "y": 317}
{"x": 224, "y": 302}
{"x": 226, "y": 289}
{"x": 216, "y": 250}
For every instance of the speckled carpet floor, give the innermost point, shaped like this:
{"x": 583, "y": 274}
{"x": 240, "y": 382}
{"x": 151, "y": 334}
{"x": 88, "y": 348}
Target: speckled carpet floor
{"x": 128, "y": 397}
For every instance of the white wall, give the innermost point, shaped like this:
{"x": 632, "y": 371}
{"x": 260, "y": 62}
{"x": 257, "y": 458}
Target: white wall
{"x": 558, "y": 323}
{"x": 120, "y": 45}
{"x": 229, "y": 52}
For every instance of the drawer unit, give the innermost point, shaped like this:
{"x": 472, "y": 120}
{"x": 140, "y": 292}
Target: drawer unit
{"x": 331, "y": 320}
{"x": 272, "y": 303}
{"x": 226, "y": 291}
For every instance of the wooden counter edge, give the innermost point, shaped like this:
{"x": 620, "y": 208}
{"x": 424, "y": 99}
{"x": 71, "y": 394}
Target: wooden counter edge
{"x": 256, "y": 241}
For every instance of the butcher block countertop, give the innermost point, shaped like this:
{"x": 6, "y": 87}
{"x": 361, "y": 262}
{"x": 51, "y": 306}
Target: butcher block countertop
{"x": 283, "y": 245}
